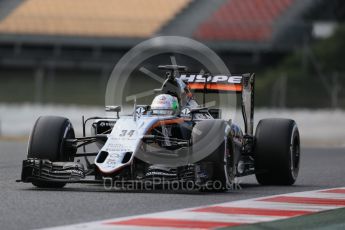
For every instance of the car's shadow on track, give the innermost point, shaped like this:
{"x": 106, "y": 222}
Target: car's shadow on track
{"x": 102, "y": 189}
{"x": 245, "y": 187}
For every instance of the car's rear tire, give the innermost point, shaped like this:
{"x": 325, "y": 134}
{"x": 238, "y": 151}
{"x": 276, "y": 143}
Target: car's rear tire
{"x": 47, "y": 142}
{"x": 218, "y": 155}
{"x": 277, "y": 152}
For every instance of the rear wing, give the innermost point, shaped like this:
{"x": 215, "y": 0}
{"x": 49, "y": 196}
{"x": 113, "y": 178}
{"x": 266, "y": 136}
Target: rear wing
{"x": 222, "y": 83}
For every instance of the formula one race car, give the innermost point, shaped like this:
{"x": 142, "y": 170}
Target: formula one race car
{"x": 173, "y": 139}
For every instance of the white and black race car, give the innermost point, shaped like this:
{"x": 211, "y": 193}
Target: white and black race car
{"x": 191, "y": 146}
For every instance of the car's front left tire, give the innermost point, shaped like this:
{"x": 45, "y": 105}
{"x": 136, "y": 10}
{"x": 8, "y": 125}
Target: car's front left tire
{"x": 277, "y": 152}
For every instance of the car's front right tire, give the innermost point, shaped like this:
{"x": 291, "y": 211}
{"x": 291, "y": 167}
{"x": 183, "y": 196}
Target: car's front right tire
{"x": 47, "y": 142}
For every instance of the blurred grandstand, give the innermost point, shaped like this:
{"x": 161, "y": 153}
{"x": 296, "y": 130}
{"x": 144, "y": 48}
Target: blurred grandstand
{"x": 60, "y": 50}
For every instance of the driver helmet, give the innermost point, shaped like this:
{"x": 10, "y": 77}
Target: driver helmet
{"x": 164, "y": 104}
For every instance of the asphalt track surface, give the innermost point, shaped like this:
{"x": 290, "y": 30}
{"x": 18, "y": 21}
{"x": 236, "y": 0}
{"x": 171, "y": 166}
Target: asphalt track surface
{"x": 24, "y": 207}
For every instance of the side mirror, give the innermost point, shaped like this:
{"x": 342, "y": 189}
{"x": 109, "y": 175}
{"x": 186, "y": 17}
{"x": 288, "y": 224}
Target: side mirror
{"x": 113, "y": 108}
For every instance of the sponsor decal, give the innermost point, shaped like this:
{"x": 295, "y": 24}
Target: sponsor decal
{"x": 110, "y": 163}
{"x": 199, "y": 78}
{"x": 185, "y": 112}
{"x": 117, "y": 147}
{"x": 216, "y": 82}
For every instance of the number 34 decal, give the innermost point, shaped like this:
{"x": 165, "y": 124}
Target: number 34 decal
{"x": 126, "y": 132}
